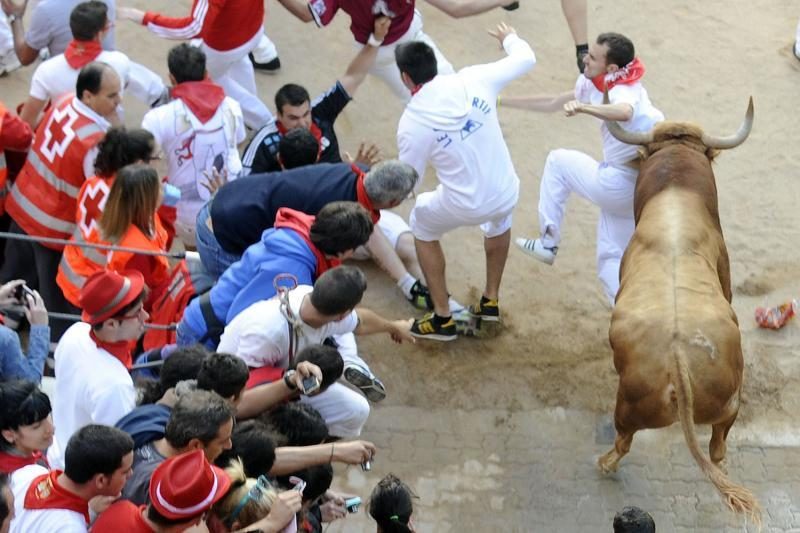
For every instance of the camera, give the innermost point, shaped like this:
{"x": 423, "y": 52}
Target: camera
{"x": 20, "y": 293}
{"x": 310, "y": 385}
{"x": 352, "y": 504}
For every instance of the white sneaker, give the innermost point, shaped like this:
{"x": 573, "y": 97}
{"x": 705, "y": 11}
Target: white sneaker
{"x": 9, "y": 63}
{"x": 536, "y": 249}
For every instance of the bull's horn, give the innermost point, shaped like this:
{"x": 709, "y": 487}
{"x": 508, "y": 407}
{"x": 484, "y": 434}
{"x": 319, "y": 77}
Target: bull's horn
{"x": 732, "y": 141}
{"x": 621, "y": 134}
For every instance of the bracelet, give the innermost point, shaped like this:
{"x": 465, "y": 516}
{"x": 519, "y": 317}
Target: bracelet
{"x": 12, "y": 18}
{"x": 372, "y": 41}
{"x": 331, "y": 459}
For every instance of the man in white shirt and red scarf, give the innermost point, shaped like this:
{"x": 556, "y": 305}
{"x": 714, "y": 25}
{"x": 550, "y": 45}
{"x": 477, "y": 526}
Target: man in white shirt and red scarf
{"x": 610, "y": 65}
{"x": 99, "y": 460}
{"x": 199, "y": 130}
{"x": 93, "y": 358}
{"x": 56, "y": 77}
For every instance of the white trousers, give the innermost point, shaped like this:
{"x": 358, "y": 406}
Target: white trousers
{"x": 233, "y": 71}
{"x": 610, "y": 188}
{"x": 385, "y": 66}
{"x": 6, "y": 37}
{"x": 265, "y": 51}
{"x": 344, "y": 410}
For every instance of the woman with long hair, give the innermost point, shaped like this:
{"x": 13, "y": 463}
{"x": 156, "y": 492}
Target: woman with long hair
{"x": 26, "y": 425}
{"x": 120, "y": 147}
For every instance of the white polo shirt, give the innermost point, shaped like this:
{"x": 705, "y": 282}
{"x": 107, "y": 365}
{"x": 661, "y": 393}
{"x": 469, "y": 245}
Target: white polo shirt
{"x": 259, "y": 335}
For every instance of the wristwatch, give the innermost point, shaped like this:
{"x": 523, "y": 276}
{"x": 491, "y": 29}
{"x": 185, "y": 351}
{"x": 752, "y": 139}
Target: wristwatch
{"x": 288, "y": 379}
{"x": 12, "y": 18}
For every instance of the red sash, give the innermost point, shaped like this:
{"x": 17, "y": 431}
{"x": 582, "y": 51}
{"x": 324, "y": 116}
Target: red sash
{"x": 45, "y": 493}
{"x": 80, "y": 53}
{"x": 629, "y": 74}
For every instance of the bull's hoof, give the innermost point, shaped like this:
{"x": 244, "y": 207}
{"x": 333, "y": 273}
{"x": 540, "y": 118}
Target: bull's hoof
{"x": 608, "y": 463}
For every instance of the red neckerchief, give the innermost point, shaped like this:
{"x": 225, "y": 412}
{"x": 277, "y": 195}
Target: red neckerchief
{"x": 45, "y": 493}
{"x": 361, "y": 194}
{"x": 416, "y": 89}
{"x": 630, "y": 73}
{"x": 11, "y": 462}
{"x": 203, "y": 98}
{"x": 301, "y": 223}
{"x": 120, "y": 349}
{"x": 80, "y": 53}
{"x": 314, "y": 129}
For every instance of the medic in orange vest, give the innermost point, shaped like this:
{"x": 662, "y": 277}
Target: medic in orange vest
{"x": 119, "y": 148}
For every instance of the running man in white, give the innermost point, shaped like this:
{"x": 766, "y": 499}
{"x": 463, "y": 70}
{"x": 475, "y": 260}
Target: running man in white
{"x": 451, "y": 123}
{"x": 612, "y": 64}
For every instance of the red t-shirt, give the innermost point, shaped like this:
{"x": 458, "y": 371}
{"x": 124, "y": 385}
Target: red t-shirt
{"x": 122, "y": 516}
{"x": 362, "y": 16}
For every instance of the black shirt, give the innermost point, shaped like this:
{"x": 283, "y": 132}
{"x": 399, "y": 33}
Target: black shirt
{"x": 261, "y": 155}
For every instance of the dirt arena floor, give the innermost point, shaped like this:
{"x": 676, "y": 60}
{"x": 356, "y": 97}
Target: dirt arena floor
{"x": 703, "y": 59}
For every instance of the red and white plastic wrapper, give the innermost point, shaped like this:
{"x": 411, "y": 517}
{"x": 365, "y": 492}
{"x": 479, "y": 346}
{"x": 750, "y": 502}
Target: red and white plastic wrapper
{"x": 776, "y": 317}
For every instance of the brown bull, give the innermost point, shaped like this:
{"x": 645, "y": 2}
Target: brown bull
{"x": 675, "y": 336}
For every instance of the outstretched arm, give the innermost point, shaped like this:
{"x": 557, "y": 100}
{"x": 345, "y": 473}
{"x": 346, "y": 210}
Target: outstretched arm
{"x": 298, "y": 8}
{"x": 544, "y": 103}
{"x": 360, "y": 65}
{"x": 619, "y": 112}
{"x": 466, "y": 8}
{"x": 370, "y": 322}
{"x": 25, "y": 53}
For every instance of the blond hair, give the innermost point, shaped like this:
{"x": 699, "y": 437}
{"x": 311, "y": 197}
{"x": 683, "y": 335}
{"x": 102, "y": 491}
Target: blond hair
{"x": 258, "y": 500}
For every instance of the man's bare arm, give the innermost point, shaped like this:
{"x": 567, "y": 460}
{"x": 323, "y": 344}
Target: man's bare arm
{"x": 360, "y": 65}
{"x": 543, "y": 103}
{"x": 466, "y": 8}
{"x": 298, "y": 8}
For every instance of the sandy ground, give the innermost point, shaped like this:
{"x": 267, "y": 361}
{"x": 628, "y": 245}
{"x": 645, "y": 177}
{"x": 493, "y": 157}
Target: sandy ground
{"x": 704, "y": 59}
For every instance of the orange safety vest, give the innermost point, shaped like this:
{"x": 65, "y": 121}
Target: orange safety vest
{"x": 43, "y": 198}
{"x": 3, "y": 168}
{"x": 80, "y": 262}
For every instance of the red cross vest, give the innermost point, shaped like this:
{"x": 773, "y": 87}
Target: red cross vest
{"x": 43, "y": 198}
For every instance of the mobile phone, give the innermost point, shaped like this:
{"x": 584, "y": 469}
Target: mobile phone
{"x": 310, "y": 384}
{"x": 219, "y": 162}
{"x": 352, "y": 504}
{"x": 21, "y": 292}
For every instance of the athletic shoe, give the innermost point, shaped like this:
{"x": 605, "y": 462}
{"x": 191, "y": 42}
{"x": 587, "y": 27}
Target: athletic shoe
{"x": 365, "y": 381}
{"x": 427, "y": 328}
{"x": 269, "y": 67}
{"x": 535, "y": 248}
{"x": 9, "y": 63}
{"x": 487, "y": 310}
{"x": 420, "y": 296}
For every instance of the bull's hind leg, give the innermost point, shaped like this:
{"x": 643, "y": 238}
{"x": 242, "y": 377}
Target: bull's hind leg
{"x": 719, "y": 432}
{"x": 622, "y": 445}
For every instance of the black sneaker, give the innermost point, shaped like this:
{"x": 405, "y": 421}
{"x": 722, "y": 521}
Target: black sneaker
{"x": 421, "y": 297}
{"x": 270, "y": 66}
{"x": 486, "y": 309}
{"x": 365, "y": 381}
{"x": 428, "y": 327}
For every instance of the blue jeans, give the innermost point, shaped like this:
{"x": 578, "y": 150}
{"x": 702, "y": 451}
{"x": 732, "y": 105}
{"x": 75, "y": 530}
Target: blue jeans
{"x": 214, "y": 258}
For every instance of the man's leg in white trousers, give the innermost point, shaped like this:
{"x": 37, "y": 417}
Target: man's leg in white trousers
{"x": 234, "y": 72}
{"x": 614, "y": 232}
{"x": 265, "y": 51}
{"x": 344, "y": 410}
{"x": 565, "y": 172}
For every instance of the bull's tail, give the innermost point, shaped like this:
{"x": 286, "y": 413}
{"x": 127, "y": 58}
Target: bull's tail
{"x": 736, "y": 497}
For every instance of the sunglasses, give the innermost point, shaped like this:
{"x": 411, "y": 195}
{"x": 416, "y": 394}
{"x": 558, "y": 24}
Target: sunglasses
{"x": 255, "y": 493}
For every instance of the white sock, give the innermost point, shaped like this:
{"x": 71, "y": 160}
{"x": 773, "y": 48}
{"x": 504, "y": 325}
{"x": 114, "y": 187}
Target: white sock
{"x": 405, "y": 284}
{"x": 455, "y": 307}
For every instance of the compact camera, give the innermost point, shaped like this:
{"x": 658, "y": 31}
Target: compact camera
{"x": 352, "y": 504}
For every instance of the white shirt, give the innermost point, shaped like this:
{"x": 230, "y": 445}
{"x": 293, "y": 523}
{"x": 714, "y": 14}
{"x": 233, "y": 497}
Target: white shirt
{"x": 645, "y": 115}
{"x": 259, "y": 335}
{"x": 452, "y": 123}
{"x": 192, "y": 148}
{"x": 92, "y": 387}
{"x": 55, "y": 77}
{"x": 39, "y": 520}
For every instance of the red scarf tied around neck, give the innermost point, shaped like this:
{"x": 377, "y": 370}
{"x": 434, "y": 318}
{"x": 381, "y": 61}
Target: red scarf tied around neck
{"x": 627, "y": 75}
{"x": 80, "y": 53}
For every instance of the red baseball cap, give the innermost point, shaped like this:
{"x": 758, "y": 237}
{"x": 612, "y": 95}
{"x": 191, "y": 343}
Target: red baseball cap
{"x": 106, "y": 292}
{"x": 185, "y": 486}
